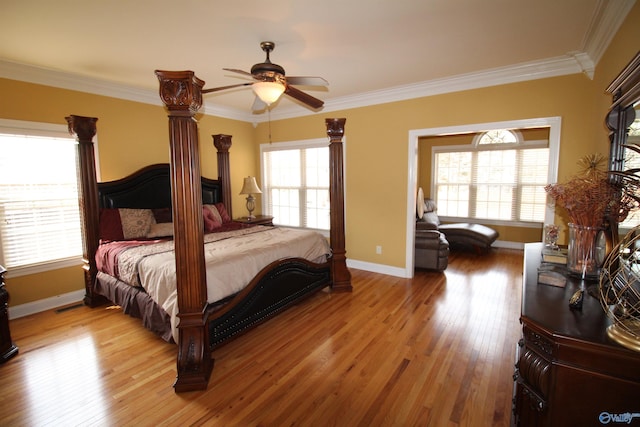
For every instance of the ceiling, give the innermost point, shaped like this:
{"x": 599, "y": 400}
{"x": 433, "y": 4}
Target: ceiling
{"x": 370, "y": 51}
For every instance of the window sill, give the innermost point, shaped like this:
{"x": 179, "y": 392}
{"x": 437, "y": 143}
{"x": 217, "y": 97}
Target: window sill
{"x": 521, "y": 224}
{"x": 43, "y": 267}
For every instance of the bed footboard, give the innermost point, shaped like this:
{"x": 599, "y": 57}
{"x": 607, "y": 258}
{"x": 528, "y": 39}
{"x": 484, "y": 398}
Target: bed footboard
{"x": 279, "y": 285}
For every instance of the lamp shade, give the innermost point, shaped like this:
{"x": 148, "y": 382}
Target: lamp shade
{"x": 268, "y": 92}
{"x": 250, "y": 186}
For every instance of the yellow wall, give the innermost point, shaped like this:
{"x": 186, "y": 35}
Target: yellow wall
{"x": 377, "y": 149}
{"x": 130, "y": 135}
{"x": 376, "y": 144}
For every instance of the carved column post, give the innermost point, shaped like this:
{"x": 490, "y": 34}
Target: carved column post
{"x": 84, "y": 128}
{"x": 340, "y": 275}
{"x": 222, "y": 144}
{"x": 181, "y": 92}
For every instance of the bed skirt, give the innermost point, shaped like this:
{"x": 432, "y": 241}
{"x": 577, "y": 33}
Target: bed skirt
{"x": 135, "y": 302}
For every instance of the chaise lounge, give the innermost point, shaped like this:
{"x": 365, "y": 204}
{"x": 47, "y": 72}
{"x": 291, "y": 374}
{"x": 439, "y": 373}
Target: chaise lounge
{"x": 461, "y": 235}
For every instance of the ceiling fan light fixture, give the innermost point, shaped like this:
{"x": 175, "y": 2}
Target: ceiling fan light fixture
{"x": 268, "y": 92}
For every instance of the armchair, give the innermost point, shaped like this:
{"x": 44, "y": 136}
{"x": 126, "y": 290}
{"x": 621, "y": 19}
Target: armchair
{"x": 431, "y": 248}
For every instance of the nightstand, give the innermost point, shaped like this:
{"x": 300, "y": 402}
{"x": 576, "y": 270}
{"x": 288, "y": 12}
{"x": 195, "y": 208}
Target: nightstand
{"x": 7, "y": 348}
{"x": 259, "y": 219}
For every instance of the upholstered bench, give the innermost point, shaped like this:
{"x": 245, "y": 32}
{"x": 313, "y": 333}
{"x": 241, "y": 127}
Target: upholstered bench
{"x": 478, "y": 236}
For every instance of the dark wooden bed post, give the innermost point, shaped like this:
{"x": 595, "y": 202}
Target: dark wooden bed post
{"x": 181, "y": 92}
{"x": 84, "y": 128}
{"x": 222, "y": 144}
{"x": 340, "y": 275}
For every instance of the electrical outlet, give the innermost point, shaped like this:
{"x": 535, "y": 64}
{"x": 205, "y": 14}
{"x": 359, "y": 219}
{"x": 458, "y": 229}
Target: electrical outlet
{"x": 379, "y": 250}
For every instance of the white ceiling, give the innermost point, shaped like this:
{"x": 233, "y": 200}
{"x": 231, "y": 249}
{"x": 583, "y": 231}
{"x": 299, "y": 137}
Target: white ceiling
{"x": 369, "y": 50}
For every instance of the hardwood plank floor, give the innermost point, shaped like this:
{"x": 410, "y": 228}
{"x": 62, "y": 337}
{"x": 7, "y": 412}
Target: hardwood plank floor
{"x": 435, "y": 350}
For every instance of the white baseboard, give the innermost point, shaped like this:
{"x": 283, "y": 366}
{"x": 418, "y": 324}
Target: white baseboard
{"x": 77, "y": 296}
{"x": 376, "y": 268}
{"x": 508, "y": 245}
{"x": 45, "y": 304}
{"x": 401, "y": 272}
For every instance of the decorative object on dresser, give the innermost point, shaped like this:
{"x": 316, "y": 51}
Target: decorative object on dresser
{"x": 619, "y": 283}
{"x": 568, "y": 372}
{"x": 552, "y": 274}
{"x": 555, "y": 256}
{"x": 587, "y": 199}
{"x": 620, "y": 291}
{"x": 250, "y": 187}
{"x": 7, "y": 348}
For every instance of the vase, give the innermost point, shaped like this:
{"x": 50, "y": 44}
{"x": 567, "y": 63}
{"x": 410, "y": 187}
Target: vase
{"x": 581, "y": 254}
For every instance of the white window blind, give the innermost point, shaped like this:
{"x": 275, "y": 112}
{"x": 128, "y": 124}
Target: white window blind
{"x": 498, "y": 178}
{"x": 296, "y": 183}
{"x": 39, "y": 212}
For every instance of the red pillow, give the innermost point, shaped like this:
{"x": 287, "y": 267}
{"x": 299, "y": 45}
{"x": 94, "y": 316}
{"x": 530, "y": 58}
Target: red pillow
{"x": 210, "y": 221}
{"x": 110, "y": 225}
{"x": 162, "y": 215}
{"x": 223, "y": 212}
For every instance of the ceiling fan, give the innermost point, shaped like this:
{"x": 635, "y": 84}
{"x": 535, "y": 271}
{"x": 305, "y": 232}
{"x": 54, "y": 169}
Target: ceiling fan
{"x": 270, "y": 83}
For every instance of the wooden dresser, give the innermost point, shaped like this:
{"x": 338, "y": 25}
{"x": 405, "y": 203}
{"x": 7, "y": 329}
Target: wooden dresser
{"x": 568, "y": 372}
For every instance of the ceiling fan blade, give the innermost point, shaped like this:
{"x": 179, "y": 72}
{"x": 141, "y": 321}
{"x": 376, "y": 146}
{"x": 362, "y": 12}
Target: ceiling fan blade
{"x": 258, "y": 104}
{"x": 215, "y": 89}
{"x": 234, "y": 70}
{"x": 307, "y": 81}
{"x": 303, "y": 97}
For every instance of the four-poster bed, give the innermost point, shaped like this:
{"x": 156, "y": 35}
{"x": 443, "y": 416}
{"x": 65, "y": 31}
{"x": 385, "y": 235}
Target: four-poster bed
{"x": 179, "y": 188}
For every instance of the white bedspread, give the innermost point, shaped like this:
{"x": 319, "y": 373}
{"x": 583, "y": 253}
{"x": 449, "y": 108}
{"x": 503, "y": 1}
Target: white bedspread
{"x": 232, "y": 260}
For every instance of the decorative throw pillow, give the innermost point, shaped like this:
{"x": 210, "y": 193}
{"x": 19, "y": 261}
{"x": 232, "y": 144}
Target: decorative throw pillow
{"x": 162, "y": 215}
{"x": 215, "y": 212}
{"x": 110, "y": 225}
{"x": 210, "y": 221}
{"x": 125, "y": 224}
{"x": 163, "y": 229}
{"x": 136, "y": 222}
{"x": 431, "y": 218}
{"x": 429, "y": 205}
{"x": 223, "y": 212}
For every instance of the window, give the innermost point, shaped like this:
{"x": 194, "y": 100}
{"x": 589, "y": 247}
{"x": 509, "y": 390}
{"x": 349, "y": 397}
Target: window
{"x": 39, "y": 213}
{"x": 296, "y": 183}
{"x": 498, "y": 177}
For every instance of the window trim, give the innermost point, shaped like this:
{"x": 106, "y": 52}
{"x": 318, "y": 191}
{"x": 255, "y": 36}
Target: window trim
{"x": 22, "y": 127}
{"x": 298, "y": 144}
{"x": 553, "y": 123}
{"x": 476, "y": 147}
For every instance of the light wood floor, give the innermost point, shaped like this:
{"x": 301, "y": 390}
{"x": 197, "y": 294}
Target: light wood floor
{"x": 437, "y": 350}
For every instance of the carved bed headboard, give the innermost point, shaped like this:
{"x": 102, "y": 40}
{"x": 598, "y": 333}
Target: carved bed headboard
{"x": 150, "y": 188}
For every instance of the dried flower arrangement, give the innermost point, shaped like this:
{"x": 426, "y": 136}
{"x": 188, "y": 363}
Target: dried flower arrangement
{"x": 589, "y": 196}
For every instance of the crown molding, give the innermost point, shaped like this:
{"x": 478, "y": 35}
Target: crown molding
{"x": 570, "y": 64}
{"x": 604, "y": 25}
{"x": 573, "y": 63}
{"x": 70, "y": 81}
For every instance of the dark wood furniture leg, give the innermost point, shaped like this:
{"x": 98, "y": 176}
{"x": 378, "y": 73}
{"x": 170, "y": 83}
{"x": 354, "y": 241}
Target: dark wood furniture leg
{"x": 181, "y": 92}
{"x": 340, "y": 275}
{"x": 84, "y": 128}
{"x": 7, "y": 348}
